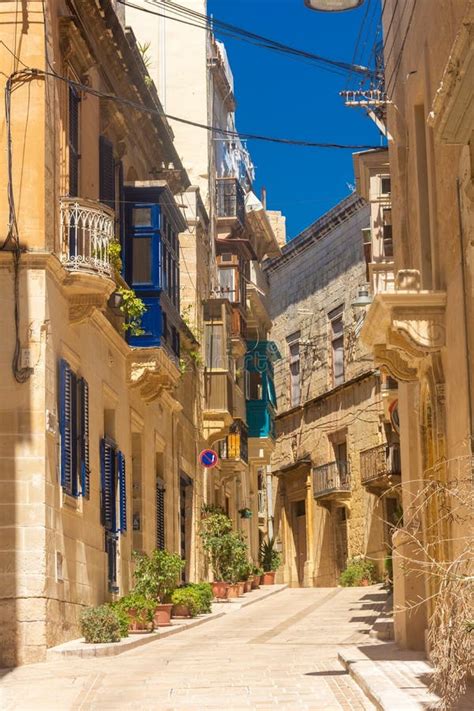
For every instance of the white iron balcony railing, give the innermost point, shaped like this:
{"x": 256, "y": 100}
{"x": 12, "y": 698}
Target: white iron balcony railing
{"x": 87, "y": 229}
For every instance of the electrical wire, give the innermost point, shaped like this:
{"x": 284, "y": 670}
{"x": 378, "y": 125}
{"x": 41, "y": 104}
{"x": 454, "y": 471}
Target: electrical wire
{"x": 35, "y": 73}
{"x": 12, "y": 239}
{"x": 204, "y": 22}
{"x": 398, "y": 60}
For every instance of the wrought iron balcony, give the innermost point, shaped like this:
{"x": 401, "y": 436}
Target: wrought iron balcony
{"x": 332, "y": 480}
{"x": 380, "y": 466}
{"x": 86, "y": 231}
{"x": 230, "y": 200}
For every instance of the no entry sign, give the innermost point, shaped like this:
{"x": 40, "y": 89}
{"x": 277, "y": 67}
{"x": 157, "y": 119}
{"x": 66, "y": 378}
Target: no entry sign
{"x": 208, "y": 458}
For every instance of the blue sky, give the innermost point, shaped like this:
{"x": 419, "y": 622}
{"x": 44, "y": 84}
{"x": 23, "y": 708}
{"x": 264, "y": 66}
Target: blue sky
{"x": 282, "y": 97}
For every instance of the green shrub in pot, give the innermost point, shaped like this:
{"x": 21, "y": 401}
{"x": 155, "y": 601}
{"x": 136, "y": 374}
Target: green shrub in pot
{"x": 269, "y": 557}
{"x": 100, "y": 625}
{"x": 157, "y": 575}
{"x": 187, "y": 597}
{"x": 204, "y": 596}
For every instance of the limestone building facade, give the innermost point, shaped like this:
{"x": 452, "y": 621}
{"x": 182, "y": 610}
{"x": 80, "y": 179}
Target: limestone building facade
{"x": 335, "y": 450}
{"x": 420, "y": 331}
{"x": 101, "y": 425}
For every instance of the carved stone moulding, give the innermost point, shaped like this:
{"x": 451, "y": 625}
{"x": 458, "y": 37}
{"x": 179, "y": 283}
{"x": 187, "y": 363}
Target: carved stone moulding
{"x": 153, "y": 373}
{"x": 404, "y": 328}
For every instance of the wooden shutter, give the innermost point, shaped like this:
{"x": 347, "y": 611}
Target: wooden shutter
{"x": 65, "y": 425}
{"x": 106, "y": 172}
{"x": 122, "y": 491}
{"x": 160, "y": 515}
{"x": 111, "y": 550}
{"x": 74, "y": 102}
{"x": 84, "y": 437}
{"x": 107, "y": 476}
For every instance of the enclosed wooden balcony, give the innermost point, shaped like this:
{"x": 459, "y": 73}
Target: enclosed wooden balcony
{"x": 332, "y": 481}
{"x": 234, "y": 447}
{"x": 230, "y": 203}
{"x": 380, "y": 467}
{"x": 86, "y": 232}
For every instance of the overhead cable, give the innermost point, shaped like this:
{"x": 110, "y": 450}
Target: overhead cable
{"x": 204, "y": 22}
{"x": 32, "y": 72}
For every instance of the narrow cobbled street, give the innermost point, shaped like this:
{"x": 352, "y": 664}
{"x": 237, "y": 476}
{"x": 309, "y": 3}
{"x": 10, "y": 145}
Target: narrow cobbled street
{"x": 278, "y": 653}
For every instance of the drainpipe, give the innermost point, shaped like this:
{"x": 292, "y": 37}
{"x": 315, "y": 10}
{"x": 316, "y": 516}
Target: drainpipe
{"x": 269, "y": 502}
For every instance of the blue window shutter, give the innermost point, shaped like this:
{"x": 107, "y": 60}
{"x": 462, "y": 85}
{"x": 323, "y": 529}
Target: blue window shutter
{"x": 122, "y": 490}
{"x": 84, "y": 437}
{"x": 107, "y": 479}
{"x": 65, "y": 425}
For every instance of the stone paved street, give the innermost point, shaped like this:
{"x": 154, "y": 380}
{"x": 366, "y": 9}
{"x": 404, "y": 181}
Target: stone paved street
{"x": 278, "y": 653}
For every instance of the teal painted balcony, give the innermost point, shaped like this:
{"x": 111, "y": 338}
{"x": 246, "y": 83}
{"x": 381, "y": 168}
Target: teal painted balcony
{"x": 260, "y": 419}
{"x": 260, "y": 388}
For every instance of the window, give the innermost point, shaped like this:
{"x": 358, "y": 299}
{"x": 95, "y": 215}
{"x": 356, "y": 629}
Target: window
{"x": 74, "y": 432}
{"x": 74, "y": 140}
{"x": 160, "y": 514}
{"x": 295, "y": 375}
{"x": 113, "y": 487}
{"x": 215, "y": 356}
{"x": 227, "y": 283}
{"x": 254, "y": 386}
{"x": 387, "y": 233}
{"x": 106, "y": 172}
{"x": 337, "y": 345}
{"x": 113, "y": 503}
{"x": 142, "y": 260}
{"x": 385, "y": 185}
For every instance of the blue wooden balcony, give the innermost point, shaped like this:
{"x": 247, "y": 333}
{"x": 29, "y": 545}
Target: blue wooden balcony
{"x": 261, "y": 398}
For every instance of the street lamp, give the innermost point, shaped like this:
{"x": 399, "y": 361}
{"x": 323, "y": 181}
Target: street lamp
{"x": 333, "y": 5}
{"x": 363, "y": 299}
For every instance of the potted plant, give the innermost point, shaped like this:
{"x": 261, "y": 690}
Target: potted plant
{"x": 270, "y": 559}
{"x": 257, "y": 573}
{"x": 156, "y": 577}
{"x": 186, "y": 602}
{"x": 203, "y": 595}
{"x": 217, "y": 539}
{"x": 140, "y": 611}
{"x": 358, "y": 571}
{"x": 245, "y": 512}
{"x": 100, "y": 624}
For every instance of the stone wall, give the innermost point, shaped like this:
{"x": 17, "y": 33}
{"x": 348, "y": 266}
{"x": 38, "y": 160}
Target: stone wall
{"x": 320, "y": 271}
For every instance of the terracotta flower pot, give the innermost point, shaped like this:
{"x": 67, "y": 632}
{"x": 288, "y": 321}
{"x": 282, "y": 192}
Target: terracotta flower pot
{"x": 232, "y": 591}
{"x": 256, "y": 582}
{"x": 219, "y": 589}
{"x": 138, "y": 621}
{"x": 247, "y": 586}
{"x": 241, "y": 586}
{"x": 364, "y": 582}
{"x": 268, "y": 578}
{"x": 162, "y": 616}
{"x": 180, "y": 611}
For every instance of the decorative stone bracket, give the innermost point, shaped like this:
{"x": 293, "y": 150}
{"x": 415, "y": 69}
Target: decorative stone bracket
{"x": 154, "y": 374}
{"x": 403, "y": 328}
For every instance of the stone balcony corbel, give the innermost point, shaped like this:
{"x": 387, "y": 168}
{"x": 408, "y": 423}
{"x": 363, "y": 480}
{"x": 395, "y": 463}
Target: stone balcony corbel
{"x": 404, "y": 327}
{"x": 152, "y": 372}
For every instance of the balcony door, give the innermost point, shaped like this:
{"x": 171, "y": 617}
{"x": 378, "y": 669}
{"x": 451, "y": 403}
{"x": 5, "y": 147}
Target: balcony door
{"x": 299, "y": 535}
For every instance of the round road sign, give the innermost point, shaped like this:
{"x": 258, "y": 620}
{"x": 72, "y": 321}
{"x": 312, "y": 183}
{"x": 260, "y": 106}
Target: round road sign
{"x": 208, "y": 458}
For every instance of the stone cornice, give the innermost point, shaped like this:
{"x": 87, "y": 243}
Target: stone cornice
{"x": 403, "y": 328}
{"x": 153, "y": 373}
